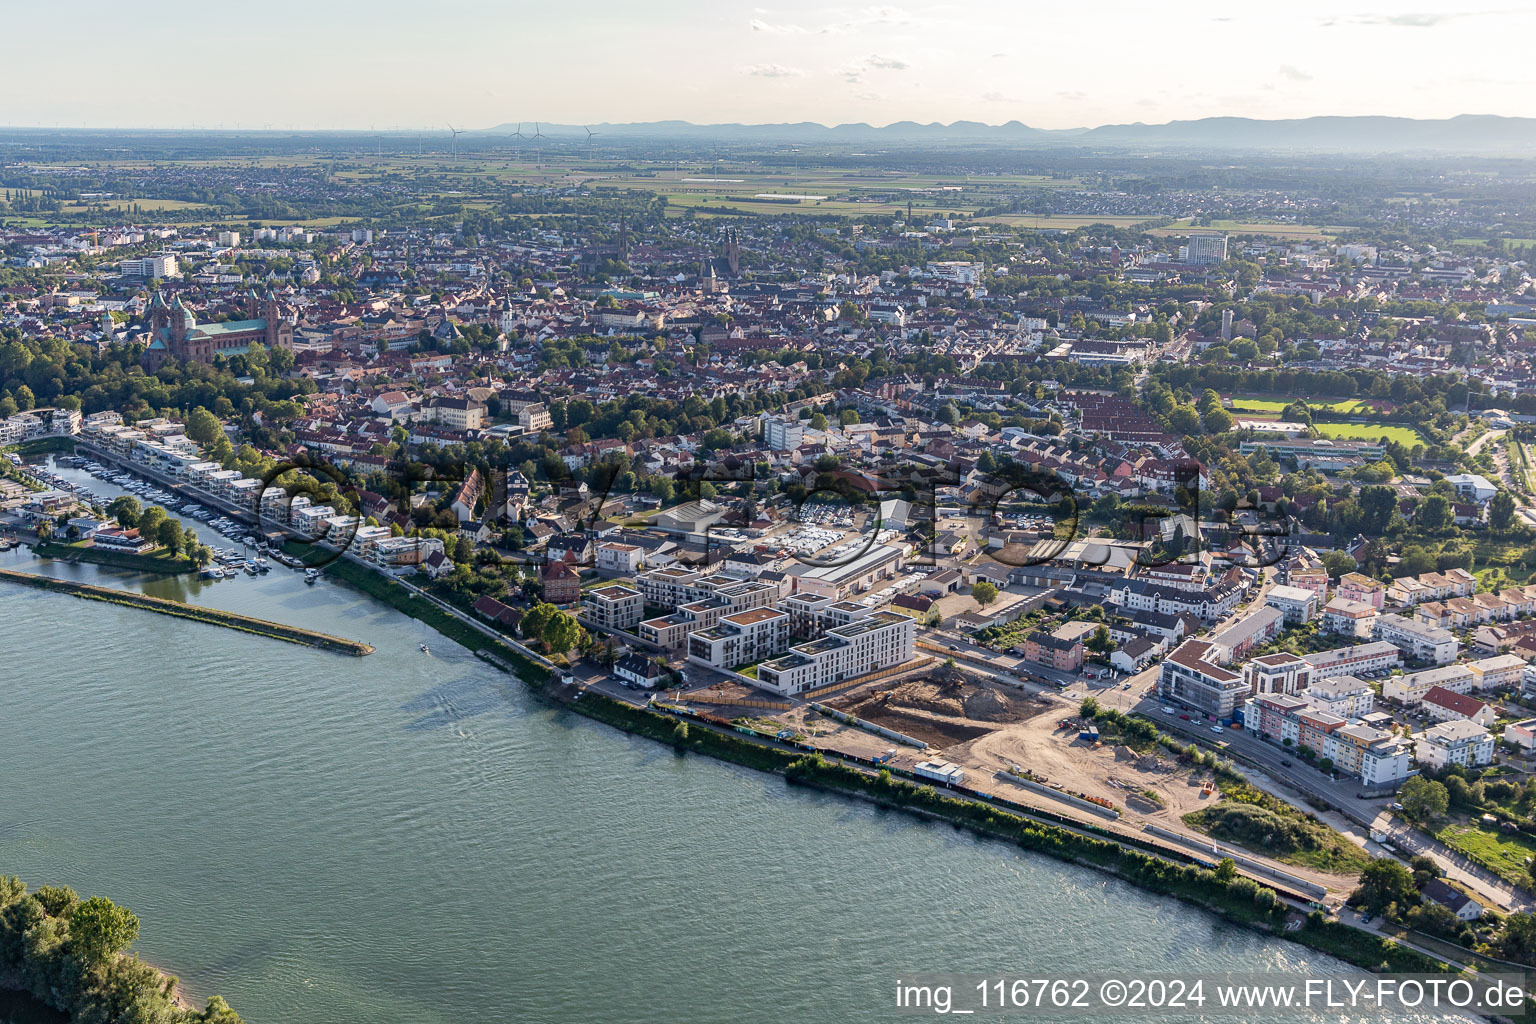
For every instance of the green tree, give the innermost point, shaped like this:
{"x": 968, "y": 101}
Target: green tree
{"x": 203, "y": 426}
{"x": 168, "y": 535}
{"x": 1100, "y": 642}
{"x": 1435, "y": 513}
{"x": 1501, "y": 511}
{"x": 1516, "y": 940}
{"x": 99, "y": 928}
{"x": 1216, "y": 420}
{"x": 126, "y": 510}
{"x": 1383, "y": 884}
{"x": 1424, "y": 799}
{"x": 536, "y": 618}
{"x": 57, "y": 900}
{"x": 149, "y": 522}
{"x": 1338, "y": 563}
{"x": 984, "y": 593}
{"x": 562, "y": 632}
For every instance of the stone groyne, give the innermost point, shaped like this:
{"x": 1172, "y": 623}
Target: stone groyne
{"x": 197, "y": 613}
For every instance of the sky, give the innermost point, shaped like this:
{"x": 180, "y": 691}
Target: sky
{"x": 479, "y": 63}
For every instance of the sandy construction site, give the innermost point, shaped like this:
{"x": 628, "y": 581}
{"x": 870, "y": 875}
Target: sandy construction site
{"x": 985, "y": 726}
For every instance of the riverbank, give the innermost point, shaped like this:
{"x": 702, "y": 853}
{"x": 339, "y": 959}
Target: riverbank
{"x": 1234, "y": 898}
{"x": 197, "y": 613}
{"x": 163, "y": 563}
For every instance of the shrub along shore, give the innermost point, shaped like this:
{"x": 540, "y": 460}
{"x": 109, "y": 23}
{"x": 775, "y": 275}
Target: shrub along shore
{"x": 68, "y": 954}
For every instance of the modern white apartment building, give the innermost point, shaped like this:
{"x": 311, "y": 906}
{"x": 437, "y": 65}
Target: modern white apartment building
{"x": 1458, "y": 742}
{"x": 673, "y": 587}
{"x": 1376, "y": 756}
{"x": 1411, "y": 688}
{"x": 782, "y": 435}
{"x": 875, "y": 642}
{"x": 1297, "y": 604}
{"x": 1354, "y": 619}
{"x": 1343, "y": 695}
{"x": 1417, "y": 639}
{"x": 811, "y": 615}
{"x": 1498, "y": 672}
{"x": 1206, "y": 249}
{"x": 1277, "y": 673}
{"x": 1364, "y": 659}
{"x": 619, "y": 558}
{"x": 397, "y": 552}
{"x": 150, "y": 267}
{"x": 744, "y": 638}
{"x": 613, "y": 607}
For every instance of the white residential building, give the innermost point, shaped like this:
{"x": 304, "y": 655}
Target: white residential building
{"x": 1362, "y": 659}
{"x": 1345, "y": 696}
{"x": 1417, "y": 639}
{"x": 1297, "y": 604}
{"x": 1459, "y": 742}
{"x": 744, "y": 638}
{"x": 1411, "y": 688}
{"x": 875, "y": 642}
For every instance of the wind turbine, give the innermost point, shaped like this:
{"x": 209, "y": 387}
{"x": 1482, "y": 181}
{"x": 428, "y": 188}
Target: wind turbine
{"x": 590, "y": 135}
{"x": 519, "y": 136}
{"x": 456, "y": 134}
{"x": 538, "y": 150}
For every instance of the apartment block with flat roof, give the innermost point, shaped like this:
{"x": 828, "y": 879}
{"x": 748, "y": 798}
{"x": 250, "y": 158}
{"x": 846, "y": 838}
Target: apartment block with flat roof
{"x": 878, "y": 641}
{"x": 613, "y": 607}
{"x": 744, "y": 638}
{"x": 1417, "y": 639}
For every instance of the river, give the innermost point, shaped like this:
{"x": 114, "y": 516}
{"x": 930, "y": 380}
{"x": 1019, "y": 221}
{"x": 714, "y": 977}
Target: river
{"x": 411, "y": 837}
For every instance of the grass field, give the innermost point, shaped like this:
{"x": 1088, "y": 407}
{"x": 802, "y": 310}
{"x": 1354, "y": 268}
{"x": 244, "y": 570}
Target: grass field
{"x": 1503, "y": 853}
{"x": 1370, "y": 432}
{"x": 1247, "y": 404}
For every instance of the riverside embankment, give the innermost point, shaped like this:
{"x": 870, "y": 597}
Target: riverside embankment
{"x": 197, "y": 613}
{"x": 215, "y": 782}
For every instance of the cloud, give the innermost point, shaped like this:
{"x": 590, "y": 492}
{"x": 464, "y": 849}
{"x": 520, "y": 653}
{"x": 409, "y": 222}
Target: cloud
{"x": 1294, "y": 73}
{"x": 771, "y": 71}
{"x": 999, "y": 56}
{"x": 997, "y": 97}
{"x": 854, "y": 70}
{"x": 759, "y": 25}
{"x": 1410, "y": 19}
{"x": 1074, "y": 94}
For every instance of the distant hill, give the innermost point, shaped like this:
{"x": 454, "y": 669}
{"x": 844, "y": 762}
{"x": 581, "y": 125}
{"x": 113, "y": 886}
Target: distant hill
{"x": 1474, "y": 133}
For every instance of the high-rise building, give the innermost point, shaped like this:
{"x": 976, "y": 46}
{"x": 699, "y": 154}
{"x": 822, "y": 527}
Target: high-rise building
{"x": 1207, "y": 249}
{"x": 783, "y": 435}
